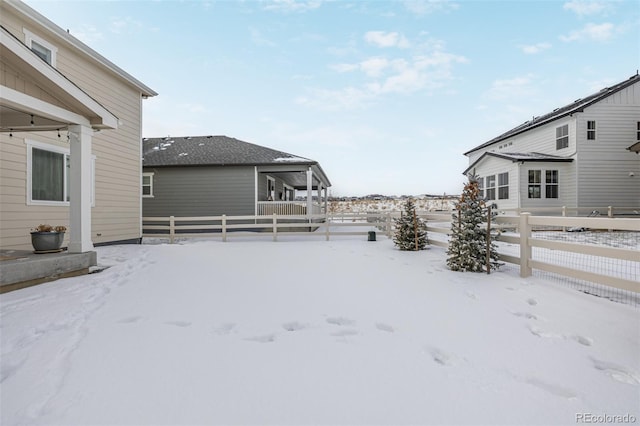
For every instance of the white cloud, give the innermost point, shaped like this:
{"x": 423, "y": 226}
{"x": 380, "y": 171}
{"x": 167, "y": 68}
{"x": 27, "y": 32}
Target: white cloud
{"x": 424, "y": 67}
{"x": 516, "y": 87}
{"x": 532, "y": 49}
{"x": 291, "y": 5}
{"x": 424, "y": 7}
{"x": 373, "y": 67}
{"x": 258, "y": 39}
{"x": 344, "y": 67}
{"x": 125, "y": 25}
{"x": 385, "y": 39}
{"x": 583, "y": 8}
{"x": 595, "y": 32}
{"x": 87, "y": 34}
{"x": 336, "y": 100}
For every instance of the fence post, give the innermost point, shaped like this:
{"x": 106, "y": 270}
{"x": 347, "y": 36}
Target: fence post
{"x": 172, "y": 228}
{"x": 525, "y": 248}
{"x": 224, "y": 228}
{"x": 326, "y": 224}
{"x": 488, "y": 239}
{"x": 275, "y": 227}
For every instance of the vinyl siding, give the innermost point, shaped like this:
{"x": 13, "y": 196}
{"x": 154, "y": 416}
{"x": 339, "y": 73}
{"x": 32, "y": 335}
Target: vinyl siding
{"x": 605, "y": 163}
{"x": 494, "y": 166}
{"x": 117, "y": 211}
{"x": 201, "y": 191}
{"x": 566, "y": 185}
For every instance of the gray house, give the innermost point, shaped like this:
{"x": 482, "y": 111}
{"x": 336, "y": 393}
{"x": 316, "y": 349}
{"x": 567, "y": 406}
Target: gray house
{"x": 215, "y": 175}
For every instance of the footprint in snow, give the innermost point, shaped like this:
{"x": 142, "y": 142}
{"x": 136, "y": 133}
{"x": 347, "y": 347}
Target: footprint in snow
{"x": 617, "y": 372}
{"x": 471, "y": 295}
{"x": 267, "y": 338}
{"x": 441, "y": 358}
{"x": 225, "y": 328}
{"x": 384, "y": 327}
{"x": 340, "y": 321}
{"x": 527, "y": 315}
{"x": 552, "y": 388}
{"x": 532, "y": 301}
{"x": 181, "y": 324}
{"x": 586, "y": 341}
{"x": 129, "y": 320}
{"x": 293, "y": 326}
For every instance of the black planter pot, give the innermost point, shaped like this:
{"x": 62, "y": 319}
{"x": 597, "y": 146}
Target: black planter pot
{"x": 47, "y": 241}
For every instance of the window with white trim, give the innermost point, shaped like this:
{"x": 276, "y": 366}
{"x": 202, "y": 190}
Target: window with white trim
{"x": 591, "y": 130}
{"x": 45, "y": 50}
{"x": 551, "y": 184}
{"x": 562, "y": 136}
{"x": 49, "y": 174}
{"x": 491, "y": 187}
{"x": 503, "y": 186}
{"x": 147, "y": 185}
{"x": 481, "y": 187}
{"x": 535, "y": 183}
{"x": 271, "y": 188}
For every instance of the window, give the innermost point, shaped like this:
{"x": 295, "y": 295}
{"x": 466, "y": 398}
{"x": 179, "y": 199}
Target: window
{"x": 48, "y": 175}
{"x": 147, "y": 185}
{"x": 638, "y": 132}
{"x": 491, "y": 187}
{"x": 49, "y": 171}
{"x": 551, "y": 184}
{"x": 503, "y": 186}
{"x": 591, "y": 130}
{"x": 535, "y": 180}
{"x": 45, "y": 50}
{"x": 271, "y": 188}
{"x": 562, "y": 136}
{"x": 481, "y": 187}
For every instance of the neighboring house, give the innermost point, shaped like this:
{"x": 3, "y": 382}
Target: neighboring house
{"x": 216, "y": 175}
{"x": 70, "y": 139}
{"x": 580, "y": 155}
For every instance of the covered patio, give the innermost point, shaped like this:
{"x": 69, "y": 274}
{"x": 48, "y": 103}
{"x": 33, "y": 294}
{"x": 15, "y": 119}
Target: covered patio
{"x": 44, "y": 100}
{"x": 304, "y": 190}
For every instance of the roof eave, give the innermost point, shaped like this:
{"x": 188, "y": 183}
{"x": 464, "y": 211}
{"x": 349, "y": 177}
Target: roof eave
{"x": 145, "y": 91}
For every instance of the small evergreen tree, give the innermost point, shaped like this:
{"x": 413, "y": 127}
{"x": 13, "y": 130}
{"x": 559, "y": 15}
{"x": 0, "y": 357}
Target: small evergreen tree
{"x": 411, "y": 231}
{"x": 468, "y": 244}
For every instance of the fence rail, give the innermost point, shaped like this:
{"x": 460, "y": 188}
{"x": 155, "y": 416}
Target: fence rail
{"x": 519, "y": 233}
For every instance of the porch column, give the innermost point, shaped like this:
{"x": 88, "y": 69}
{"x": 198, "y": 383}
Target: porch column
{"x": 309, "y": 191}
{"x": 319, "y": 195}
{"x": 80, "y": 189}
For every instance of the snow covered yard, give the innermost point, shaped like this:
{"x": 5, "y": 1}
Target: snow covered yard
{"x": 310, "y": 332}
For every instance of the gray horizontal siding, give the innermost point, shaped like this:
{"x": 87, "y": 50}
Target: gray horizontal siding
{"x": 201, "y": 191}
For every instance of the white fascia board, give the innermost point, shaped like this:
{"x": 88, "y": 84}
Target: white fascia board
{"x": 12, "y": 44}
{"x": 20, "y": 101}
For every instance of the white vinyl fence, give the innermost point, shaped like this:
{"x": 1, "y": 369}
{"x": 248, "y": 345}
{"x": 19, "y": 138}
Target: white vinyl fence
{"x": 610, "y": 257}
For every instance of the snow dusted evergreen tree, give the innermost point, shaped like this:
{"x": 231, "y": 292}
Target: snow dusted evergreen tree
{"x": 411, "y": 231}
{"x": 468, "y": 244}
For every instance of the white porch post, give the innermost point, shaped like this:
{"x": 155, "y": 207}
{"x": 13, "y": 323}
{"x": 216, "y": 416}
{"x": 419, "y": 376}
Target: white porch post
{"x": 309, "y": 192}
{"x": 80, "y": 189}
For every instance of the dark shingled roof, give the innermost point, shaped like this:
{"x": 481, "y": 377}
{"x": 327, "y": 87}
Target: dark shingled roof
{"x": 577, "y": 106}
{"x": 211, "y": 150}
{"x": 521, "y": 156}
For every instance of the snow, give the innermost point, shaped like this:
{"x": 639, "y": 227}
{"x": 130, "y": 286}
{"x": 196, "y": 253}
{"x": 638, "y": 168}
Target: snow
{"x": 307, "y": 331}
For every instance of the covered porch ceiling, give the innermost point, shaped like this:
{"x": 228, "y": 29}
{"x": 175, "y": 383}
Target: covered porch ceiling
{"x": 296, "y": 175}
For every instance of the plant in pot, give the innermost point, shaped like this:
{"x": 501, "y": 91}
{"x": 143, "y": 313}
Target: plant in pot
{"x": 47, "y": 238}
